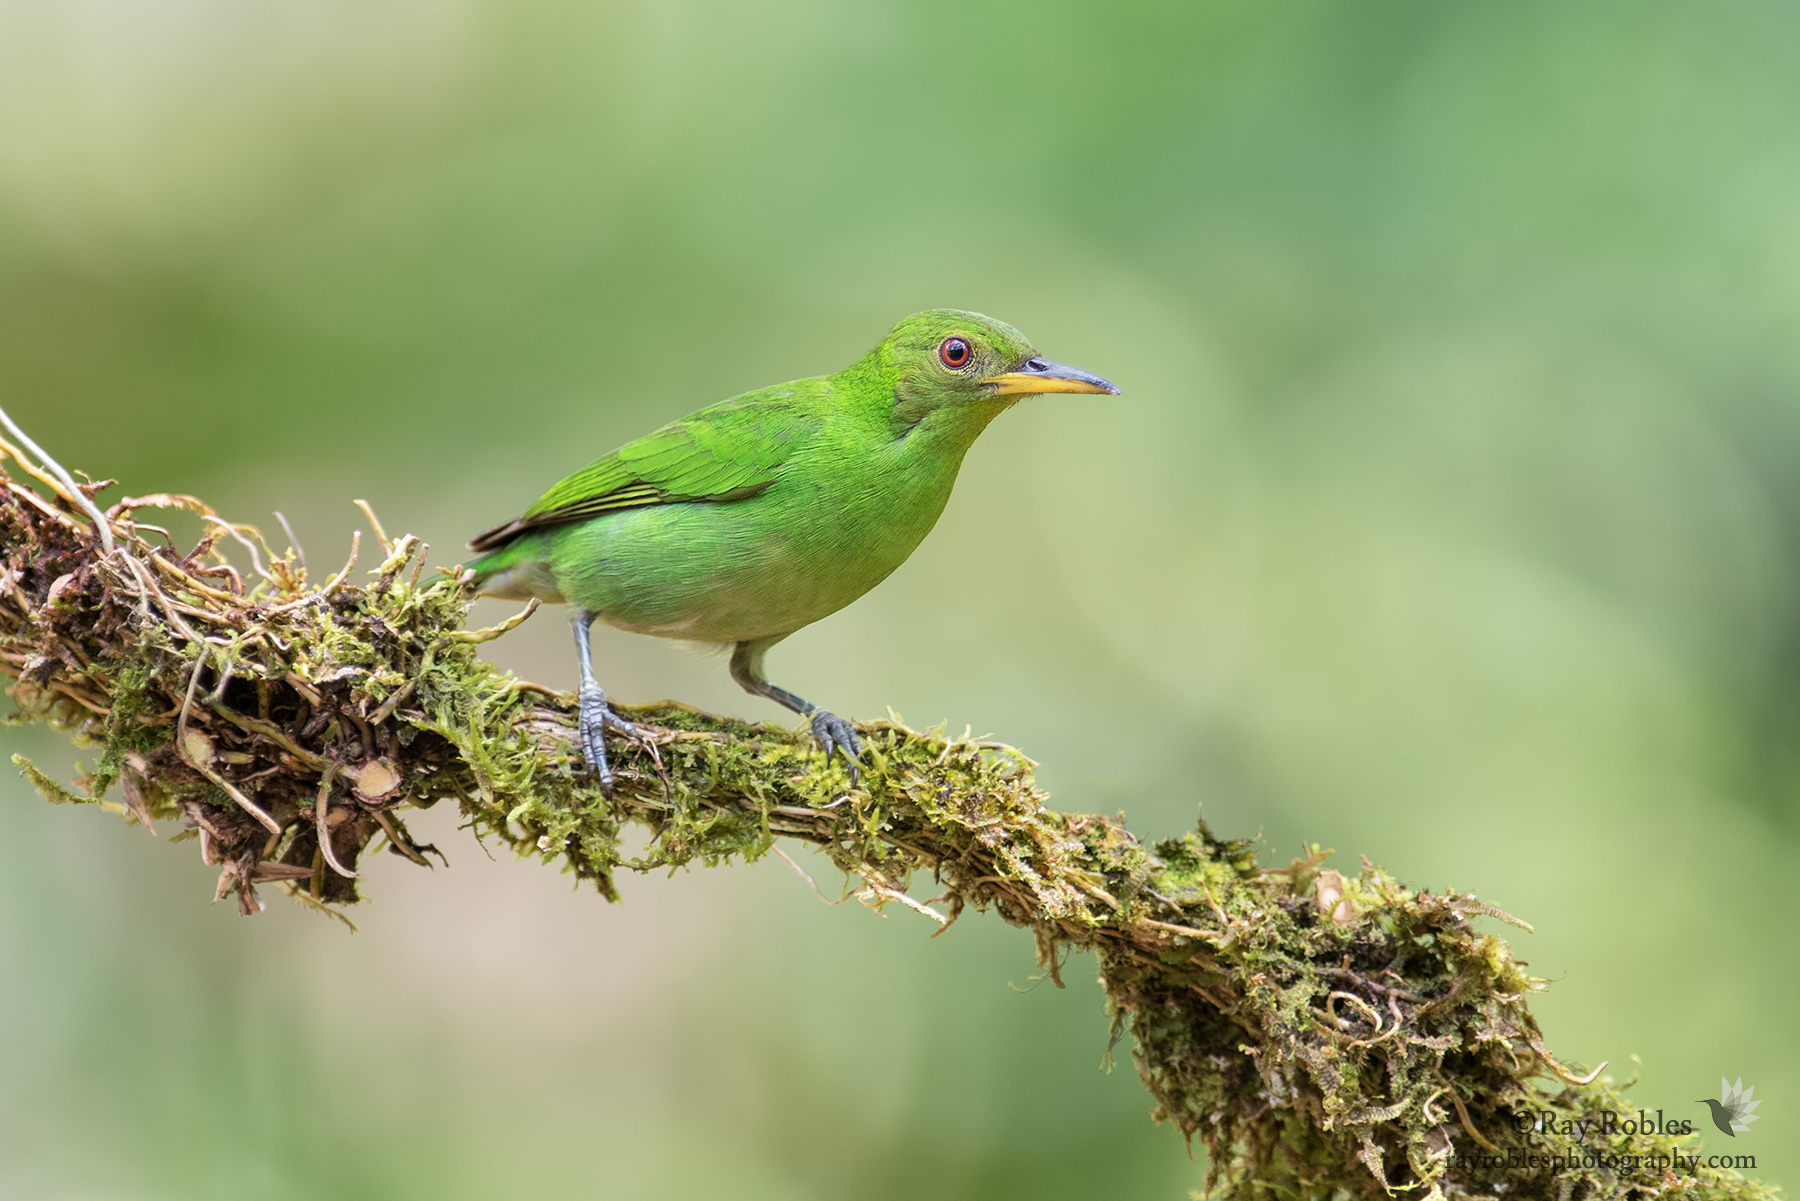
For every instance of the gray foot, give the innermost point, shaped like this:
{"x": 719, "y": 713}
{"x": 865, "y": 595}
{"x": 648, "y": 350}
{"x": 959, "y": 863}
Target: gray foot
{"x": 835, "y": 734}
{"x": 595, "y": 717}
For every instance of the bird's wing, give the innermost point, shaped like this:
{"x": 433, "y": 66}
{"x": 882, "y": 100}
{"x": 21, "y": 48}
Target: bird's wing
{"x": 730, "y": 451}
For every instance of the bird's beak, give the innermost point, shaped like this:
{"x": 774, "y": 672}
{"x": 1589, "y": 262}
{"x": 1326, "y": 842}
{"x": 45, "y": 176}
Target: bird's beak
{"x": 1037, "y": 375}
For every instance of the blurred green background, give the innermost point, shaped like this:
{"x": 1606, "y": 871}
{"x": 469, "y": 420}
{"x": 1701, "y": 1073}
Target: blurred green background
{"x": 1450, "y": 517}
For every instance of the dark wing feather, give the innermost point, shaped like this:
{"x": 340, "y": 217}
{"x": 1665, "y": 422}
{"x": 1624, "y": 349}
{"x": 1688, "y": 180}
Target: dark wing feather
{"x": 728, "y": 452}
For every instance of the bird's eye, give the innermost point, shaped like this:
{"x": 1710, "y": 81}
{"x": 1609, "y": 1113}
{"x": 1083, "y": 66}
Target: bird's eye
{"x": 955, "y": 353}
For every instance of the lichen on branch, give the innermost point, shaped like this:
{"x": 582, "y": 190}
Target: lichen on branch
{"x": 1321, "y": 1035}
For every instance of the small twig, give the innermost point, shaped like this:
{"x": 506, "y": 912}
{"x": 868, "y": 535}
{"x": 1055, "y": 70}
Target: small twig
{"x": 1184, "y": 931}
{"x": 1337, "y": 1022}
{"x": 229, "y": 528}
{"x": 1462, "y": 1112}
{"x": 304, "y": 687}
{"x": 362, "y": 729}
{"x": 320, "y": 810}
{"x": 229, "y": 572}
{"x": 1394, "y": 1028}
{"x": 801, "y": 872}
{"x": 1566, "y": 1075}
{"x": 37, "y": 502}
{"x": 181, "y": 749}
{"x": 70, "y": 490}
{"x": 156, "y": 560}
{"x": 895, "y": 895}
{"x": 80, "y": 698}
{"x": 404, "y": 845}
{"x": 397, "y": 555}
{"x": 374, "y": 522}
{"x": 1094, "y": 890}
{"x": 273, "y": 733}
{"x": 292, "y": 541}
{"x": 337, "y": 580}
{"x": 386, "y": 709}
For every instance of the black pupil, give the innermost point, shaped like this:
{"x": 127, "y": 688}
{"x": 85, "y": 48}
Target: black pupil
{"x": 956, "y": 350}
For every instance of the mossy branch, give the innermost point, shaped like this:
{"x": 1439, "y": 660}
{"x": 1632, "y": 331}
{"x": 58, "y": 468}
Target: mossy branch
{"x": 1322, "y": 1035}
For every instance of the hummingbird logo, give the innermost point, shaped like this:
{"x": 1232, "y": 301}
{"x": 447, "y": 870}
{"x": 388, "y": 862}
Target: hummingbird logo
{"x": 1732, "y": 1112}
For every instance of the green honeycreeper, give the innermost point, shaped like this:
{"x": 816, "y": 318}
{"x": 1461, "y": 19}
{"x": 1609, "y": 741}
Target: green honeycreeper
{"x": 759, "y": 515}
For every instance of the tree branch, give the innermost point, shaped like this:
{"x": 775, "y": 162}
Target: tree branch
{"x": 1322, "y": 1035}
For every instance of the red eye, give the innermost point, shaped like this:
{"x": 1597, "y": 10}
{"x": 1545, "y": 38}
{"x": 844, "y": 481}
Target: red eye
{"x": 955, "y": 353}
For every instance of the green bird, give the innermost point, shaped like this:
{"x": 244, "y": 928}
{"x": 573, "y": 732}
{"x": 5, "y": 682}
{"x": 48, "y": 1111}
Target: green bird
{"x": 750, "y": 519}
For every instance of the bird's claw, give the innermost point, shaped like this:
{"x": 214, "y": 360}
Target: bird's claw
{"x": 835, "y": 734}
{"x": 595, "y": 717}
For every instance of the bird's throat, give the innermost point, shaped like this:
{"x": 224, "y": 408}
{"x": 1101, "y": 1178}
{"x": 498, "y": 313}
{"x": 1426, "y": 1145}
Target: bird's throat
{"x": 950, "y": 428}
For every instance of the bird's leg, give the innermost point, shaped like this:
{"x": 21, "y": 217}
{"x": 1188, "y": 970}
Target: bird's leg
{"x": 833, "y": 732}
{"x": 595, "y": 715}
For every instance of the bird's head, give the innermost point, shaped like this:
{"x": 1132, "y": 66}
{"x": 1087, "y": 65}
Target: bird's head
{"x": 946, "y": 357}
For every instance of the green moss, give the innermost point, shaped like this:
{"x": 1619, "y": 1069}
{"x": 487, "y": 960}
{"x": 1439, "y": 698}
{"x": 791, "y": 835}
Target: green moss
{"x": 48, "y": 788}
{"x": 1322, "y": 1036}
